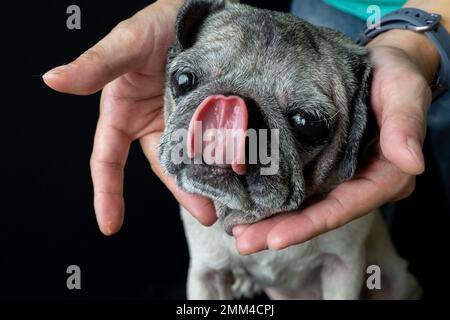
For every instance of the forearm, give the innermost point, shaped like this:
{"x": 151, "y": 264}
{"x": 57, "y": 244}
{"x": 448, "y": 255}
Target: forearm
{"x": 417, "y": 45}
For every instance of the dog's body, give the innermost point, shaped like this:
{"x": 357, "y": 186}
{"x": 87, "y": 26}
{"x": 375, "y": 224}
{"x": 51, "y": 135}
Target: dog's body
{"x": 330, "y": 266}
{"x": 309, "y": 83}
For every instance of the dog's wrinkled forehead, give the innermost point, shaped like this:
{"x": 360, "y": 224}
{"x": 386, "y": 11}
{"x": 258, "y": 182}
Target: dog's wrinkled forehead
{"x": 275, "y": 50}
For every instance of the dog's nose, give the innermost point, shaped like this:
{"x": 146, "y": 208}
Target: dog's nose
{"x": 257, "y": 129}
{"x": 217, "y": 132}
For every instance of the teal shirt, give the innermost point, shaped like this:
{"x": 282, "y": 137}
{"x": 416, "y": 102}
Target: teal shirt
{"x": 358, "y": 8}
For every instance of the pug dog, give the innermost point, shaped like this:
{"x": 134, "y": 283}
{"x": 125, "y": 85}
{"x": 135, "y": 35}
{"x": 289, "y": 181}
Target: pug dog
{"x": 242, "y": 69}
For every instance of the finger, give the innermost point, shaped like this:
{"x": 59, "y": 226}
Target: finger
{"x": 120, "y": 51}
{"x": 253, "y": 238}
{"x": 381, "y": 183}
{"x": 108, "y": 158}
{"x": 403, "y": 125}
{"x": 239, "y": 229}
{"x": 200, "y": 207}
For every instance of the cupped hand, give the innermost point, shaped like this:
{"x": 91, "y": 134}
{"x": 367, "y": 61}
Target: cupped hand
{"x": 128, "y": 64}
{"x": 400, "y": 97}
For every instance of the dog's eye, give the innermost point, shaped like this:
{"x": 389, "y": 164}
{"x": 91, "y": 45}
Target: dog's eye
{"x": 183, "y": 82}
{"x": 309, "y": 129}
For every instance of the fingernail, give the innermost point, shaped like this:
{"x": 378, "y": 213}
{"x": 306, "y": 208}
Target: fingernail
{"x": 238, "y": 230}
{"x": 108, "y": 225}
{"x": 416, "y": 150}
{"x": 275, "y": 243}
{"x": 58, "y": 70}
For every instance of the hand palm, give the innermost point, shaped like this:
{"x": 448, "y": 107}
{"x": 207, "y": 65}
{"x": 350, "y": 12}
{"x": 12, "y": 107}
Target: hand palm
{"x": 398, "y": 92}
{"x": 129, "y": 65}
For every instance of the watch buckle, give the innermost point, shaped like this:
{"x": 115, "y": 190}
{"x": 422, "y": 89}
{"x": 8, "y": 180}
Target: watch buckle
{"x": 430, "y": 24}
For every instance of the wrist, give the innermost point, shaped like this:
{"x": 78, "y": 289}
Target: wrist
{"x": 416, "y": 46}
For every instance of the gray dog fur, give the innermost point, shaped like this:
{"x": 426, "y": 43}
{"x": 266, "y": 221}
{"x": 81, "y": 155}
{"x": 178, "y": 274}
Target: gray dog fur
{"x": 285, "y": 65}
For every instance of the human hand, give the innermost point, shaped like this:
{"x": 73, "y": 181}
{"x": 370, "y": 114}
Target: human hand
{"x": 400, "y": 97}
{"x": 129, "y": 65}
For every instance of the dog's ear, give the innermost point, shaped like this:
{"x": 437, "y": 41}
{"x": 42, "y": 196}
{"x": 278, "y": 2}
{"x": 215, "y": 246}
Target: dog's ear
{"x": 191, "y": 17}
{"x": 358, "y": 114}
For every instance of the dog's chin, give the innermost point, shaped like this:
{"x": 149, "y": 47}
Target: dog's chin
{"x": 217, "y": 183}
{"x": 239, "y": 199}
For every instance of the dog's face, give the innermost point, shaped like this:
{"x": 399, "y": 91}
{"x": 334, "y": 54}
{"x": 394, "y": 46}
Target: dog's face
{"x": 301, "y": 88}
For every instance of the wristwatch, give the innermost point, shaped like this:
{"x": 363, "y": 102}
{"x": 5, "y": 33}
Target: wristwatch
{"x": 419, "y": 21}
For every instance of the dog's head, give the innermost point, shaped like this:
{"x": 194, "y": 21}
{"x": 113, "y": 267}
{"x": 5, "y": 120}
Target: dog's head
{"x": 292, "y": 95}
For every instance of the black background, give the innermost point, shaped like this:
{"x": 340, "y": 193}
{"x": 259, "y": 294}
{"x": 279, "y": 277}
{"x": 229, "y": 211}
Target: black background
{"x": 47, "y": 219}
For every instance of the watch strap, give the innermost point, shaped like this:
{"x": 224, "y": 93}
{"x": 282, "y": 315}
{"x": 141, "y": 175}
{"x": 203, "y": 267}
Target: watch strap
{"x": 418, "y": 21}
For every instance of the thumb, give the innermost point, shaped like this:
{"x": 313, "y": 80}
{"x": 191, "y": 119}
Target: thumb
{"x": 120, "y": 51}
{"x": 403, "y": 125}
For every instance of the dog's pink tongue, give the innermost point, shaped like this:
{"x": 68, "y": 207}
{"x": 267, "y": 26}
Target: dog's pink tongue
{"x": 217, "y": 131}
